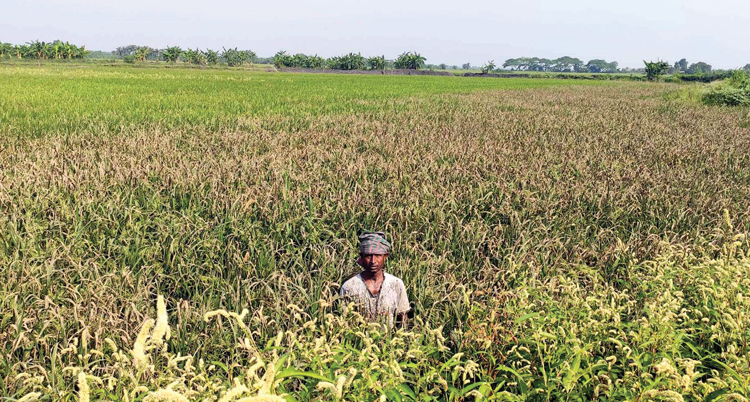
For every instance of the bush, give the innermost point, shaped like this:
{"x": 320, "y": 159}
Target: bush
{"x": 733, "y": 92}
{"x": 726, "y": 95}
{"x": 707, "y": 77}
{"x": 130, "y": 59}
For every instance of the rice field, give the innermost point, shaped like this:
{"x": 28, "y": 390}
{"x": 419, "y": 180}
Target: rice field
{"x": 180, "y": 235}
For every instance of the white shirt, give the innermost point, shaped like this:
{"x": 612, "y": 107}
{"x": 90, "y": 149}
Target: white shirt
{"x": 391, "y": 299}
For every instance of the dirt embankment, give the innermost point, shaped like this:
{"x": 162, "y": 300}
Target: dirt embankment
{"x": 368, "y": 72}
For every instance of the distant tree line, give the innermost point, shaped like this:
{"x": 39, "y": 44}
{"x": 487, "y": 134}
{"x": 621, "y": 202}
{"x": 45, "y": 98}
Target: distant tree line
{"x": 59, "y": 50}
{"x": 684, "y": 67}
{"x": 172, "y": 54}
{"x": 350, "y": 61}
{"x": 37, "y": 50}
{"x": 561, "y": 65}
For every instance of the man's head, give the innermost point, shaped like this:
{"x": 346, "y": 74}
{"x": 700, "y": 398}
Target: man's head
{"x": 373, "y": 250}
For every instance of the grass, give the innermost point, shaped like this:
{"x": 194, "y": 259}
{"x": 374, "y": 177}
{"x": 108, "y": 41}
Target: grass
{"x": 558, "y": 240}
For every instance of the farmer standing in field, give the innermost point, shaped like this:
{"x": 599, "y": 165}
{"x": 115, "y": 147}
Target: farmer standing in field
{"x": 382, "y": 296}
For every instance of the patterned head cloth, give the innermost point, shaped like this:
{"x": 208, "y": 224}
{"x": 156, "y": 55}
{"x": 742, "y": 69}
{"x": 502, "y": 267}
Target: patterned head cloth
{"x": 373, "y": 243}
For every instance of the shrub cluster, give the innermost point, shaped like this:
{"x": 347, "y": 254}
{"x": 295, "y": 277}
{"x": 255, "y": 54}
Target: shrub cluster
{"x": 732, "y": 92}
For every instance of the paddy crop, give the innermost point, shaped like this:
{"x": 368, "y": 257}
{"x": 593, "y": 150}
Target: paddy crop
{"x": 558, "y": 241}
{"x": 70, "y": 100}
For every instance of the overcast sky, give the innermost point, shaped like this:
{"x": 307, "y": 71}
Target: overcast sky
{"x": 452, "y": 32}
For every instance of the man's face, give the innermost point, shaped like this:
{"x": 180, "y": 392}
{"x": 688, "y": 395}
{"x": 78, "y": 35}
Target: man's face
{"x": 373, "y": 262}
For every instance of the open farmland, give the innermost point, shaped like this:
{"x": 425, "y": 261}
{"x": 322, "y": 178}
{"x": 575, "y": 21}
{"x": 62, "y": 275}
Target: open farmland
{"x": 559, "y": 240}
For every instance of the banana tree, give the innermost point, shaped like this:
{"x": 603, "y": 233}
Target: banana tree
{"x": 21, "y": 51}
{"x": 376, "y": 63}
{"x": 282, "y": 59}
{"x": 248, "y": 56}
{"x": 233, "y": 57}
{"x": 655, "y": 69}
{"x": 351, "y": 61}
{"x": 314, "y": 61}
{"x": 141, "y": 53}
{"x": 38, "y": 50}
{"x": 172, "y": 54}
{"x": 195, "y": 56}
{"x": 212, "y": 56}
{"x": 6, "y": 49}
{"x": 489, "y": 67}
{"x": 81, "y": 52}
{"x": 410, "y": 61}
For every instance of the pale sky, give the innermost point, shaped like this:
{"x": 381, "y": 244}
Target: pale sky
{"x": 452, "y": 32}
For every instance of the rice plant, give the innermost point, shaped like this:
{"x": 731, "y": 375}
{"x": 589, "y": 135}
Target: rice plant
{"x": 181, "y": 235}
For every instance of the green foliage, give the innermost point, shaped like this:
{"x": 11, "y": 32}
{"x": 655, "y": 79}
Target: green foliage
{"x": 299, "y": 60}
{"x": 314, "y": 61}
{"x": 655, "y": 69}
{"x": 130, "y": 59}
{"x": 351, "y": 61}
{"x": 466, "y": 66}
{"x": 699, "y": 68}
{"x": 376, "y": 63}
{"x": 746, "y": 68}
{"x": 39, "y": 50}
{"x": 562, "y": 64}
{"x": 410, "y": 61}
{"x": 122, "y": 51}
{"x": 140, "y": 53}
{"x": 195, "y": 56}
{"x": 733, "y": 92}
{"x": 6, "y": 50}
{"x": 681, "y": 65}
{"x": 601, "y": 66}
{"x": 727, "y": 96}
{"x": 212, "y": 56}
{"x": 489, "y": 67}
{"x": 172, "y": 54}
{"x": 740, "y": 79}
{"x": 236, "y": 58}
{"x": 282, "y": 59}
